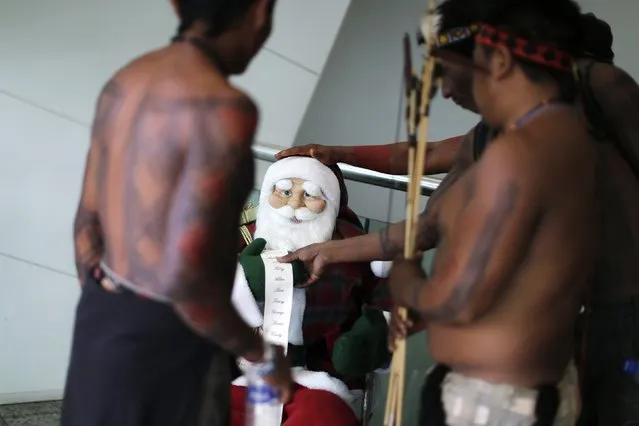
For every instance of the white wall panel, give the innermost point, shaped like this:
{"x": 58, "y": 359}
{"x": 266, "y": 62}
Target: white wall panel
{"x": 306, "y": 29}
{"x": 37, "y": 308}
{"x": 282, "y": 91}
{"x": 59, "y": 54}
{"x": 41, "y": 163}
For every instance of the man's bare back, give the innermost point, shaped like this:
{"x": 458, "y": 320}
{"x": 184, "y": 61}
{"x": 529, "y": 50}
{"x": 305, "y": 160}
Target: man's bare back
{"x": 538, "y": 217}
{"x": 149, "y": 147}
{"x": 170, "y": 160}
{"x": 168, "y": 170}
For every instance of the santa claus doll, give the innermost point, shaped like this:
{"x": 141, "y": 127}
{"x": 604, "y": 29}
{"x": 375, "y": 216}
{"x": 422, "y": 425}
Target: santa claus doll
{"x": 338, "y": 326}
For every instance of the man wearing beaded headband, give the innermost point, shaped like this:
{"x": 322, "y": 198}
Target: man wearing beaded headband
{"x": 496, "y": 249}
{"x": 610, "y": 98}
{"x": 514, "y": 233}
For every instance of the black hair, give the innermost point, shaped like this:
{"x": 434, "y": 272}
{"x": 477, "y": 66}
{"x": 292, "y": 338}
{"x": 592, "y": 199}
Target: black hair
{"x": 597, "y": 42}
{"x": 219, "y": 15}
{"x": 555, "y": 23}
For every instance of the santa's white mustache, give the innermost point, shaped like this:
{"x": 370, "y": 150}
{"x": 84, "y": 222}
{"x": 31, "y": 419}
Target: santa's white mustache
{"x": 302, "y": 214}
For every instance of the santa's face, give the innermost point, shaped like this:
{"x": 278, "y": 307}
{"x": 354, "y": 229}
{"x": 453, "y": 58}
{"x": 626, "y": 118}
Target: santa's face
{"x": 294, "y": 215}
{"x": 297, "y": 200}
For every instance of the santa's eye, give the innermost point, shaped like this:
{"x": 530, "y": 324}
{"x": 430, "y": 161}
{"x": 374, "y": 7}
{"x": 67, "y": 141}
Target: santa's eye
{"x": 307, "y": 195}
{"x": 287, "y": 192}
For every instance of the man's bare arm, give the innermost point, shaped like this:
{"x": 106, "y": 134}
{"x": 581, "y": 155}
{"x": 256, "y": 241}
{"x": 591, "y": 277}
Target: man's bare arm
{"x": 390, "y": 158}
{"x": 618, "y": 96}
{"x": 393, "y": 158}
{"x": 87, "y": 231}
{"x": 200, "y": 259}
{"x": 488, "y": 244}
{"x": 383, "y": 245}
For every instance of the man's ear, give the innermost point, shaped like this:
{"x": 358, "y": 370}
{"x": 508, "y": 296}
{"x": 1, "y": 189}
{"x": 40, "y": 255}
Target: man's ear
{"x": 262, "y": 10}
{"x": 176, "y": 7}
{"x": 501, "y": 62}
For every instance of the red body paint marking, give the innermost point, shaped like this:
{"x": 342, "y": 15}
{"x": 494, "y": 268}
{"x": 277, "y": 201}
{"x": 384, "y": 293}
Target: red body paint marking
{"x": 239, "y": 125}
{"x": 201, "y": 316}
{"x": 214, "y": 185}
{"x": 193, "y": 246}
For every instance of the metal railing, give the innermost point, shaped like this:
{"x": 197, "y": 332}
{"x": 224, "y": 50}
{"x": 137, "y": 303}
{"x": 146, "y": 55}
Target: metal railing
{"x": 357, "y": 174}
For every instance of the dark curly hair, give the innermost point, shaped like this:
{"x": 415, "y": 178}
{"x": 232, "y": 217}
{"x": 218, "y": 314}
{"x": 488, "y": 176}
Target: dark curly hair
{"x": 219, "y": 15}
{"x": 597, "y": 38}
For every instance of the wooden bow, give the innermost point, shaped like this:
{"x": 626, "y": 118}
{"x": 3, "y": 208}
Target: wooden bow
{"x": 419, "y": 93}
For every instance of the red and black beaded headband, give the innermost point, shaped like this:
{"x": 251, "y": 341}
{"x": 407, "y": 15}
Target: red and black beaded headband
{"x": 534, "y": 52}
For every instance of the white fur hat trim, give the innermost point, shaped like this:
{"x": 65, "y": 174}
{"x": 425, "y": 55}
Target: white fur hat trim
{"x": 304, "y": 168}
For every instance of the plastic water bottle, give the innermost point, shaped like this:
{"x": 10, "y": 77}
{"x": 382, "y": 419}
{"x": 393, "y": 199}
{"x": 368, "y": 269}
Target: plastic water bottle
{"x": 263, "y": 407}
{"x": 631, "y": 367}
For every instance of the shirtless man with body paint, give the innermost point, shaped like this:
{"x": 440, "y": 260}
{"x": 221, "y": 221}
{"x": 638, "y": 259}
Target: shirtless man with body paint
{"x": 167, "y": 174}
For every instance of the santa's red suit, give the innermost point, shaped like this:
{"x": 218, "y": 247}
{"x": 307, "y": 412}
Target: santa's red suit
{"x": 308, "y": 407}
{"x": 333, "y": 305}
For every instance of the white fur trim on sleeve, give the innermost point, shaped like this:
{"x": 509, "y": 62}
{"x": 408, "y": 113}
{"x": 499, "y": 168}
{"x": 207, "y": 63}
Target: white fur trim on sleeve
{"x": 381, "y": 268}
{"x": 243, "y": 300}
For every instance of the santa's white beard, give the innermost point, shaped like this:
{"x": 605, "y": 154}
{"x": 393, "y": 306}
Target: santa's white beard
{"x": 281, "y": 232}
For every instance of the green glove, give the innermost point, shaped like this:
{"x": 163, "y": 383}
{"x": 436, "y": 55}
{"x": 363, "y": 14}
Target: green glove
{"x": 363, "y": 348}
{"x": 253, "y": 265}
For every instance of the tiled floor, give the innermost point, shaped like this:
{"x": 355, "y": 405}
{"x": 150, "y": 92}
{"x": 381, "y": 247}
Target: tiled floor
{"x": 35, "y": 414}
